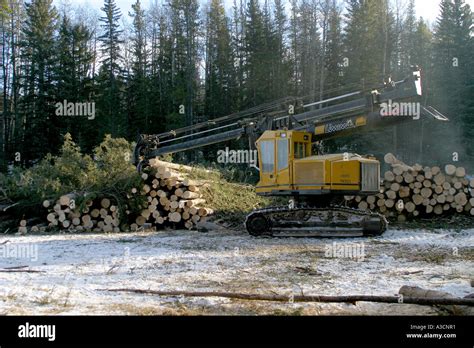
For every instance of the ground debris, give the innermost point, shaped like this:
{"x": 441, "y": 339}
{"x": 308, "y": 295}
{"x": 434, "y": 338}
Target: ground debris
{"x": 429, "y": 301}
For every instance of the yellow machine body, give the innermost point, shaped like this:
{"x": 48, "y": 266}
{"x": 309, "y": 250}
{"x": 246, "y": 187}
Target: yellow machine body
{"x": 287, "y": 167}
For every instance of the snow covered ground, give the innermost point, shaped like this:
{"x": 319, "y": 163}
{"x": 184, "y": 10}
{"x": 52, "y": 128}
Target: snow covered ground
{"x": 74, "y": 269}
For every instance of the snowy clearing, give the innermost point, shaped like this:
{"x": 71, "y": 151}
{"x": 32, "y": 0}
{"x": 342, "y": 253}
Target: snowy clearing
{"x": 75, "y": 267}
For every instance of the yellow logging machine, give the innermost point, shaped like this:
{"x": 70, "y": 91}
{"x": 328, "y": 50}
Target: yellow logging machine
{"x": 286, "y": 133}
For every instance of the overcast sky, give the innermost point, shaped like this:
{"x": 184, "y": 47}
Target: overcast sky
{"x": 428, "y": 9}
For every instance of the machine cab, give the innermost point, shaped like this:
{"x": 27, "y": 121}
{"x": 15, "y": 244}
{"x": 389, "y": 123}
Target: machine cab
{"x": 287, "y": 167}
{"x": 276, "y": 152}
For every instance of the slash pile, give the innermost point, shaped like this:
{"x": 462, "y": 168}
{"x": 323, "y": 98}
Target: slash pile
{"x": 411, "y": 191}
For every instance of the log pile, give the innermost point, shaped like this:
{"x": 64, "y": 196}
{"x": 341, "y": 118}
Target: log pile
{"x": 167, "y": 198}
{"x": 96, "y": 215}
{"x": 171, "y": 198}
{"x": 411, "y": 191}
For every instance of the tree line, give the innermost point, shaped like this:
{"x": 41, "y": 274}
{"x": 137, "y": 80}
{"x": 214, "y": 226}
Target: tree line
{"x": 180, "y": 62}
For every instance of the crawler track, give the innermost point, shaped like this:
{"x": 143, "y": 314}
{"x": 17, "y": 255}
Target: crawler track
{"x": 332, "y": 221}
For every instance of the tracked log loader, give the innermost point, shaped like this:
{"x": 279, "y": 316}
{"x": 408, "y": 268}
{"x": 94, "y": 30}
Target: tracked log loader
{"x": 284, "y": 133}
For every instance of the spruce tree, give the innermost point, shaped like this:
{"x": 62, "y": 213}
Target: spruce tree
{"x": 74, "y": 80}
{"x": 161, "y": 70}
{"x": 255, "y": 46}
{"x": 138, "y": 84}
{"x": 280, "y": 52}
{"x": 368, "y": 41}
{"x": 369, "y": 22}
{"x": 306, "y": 47}
{"x": 408, "y": 42}
{"x": 238, "y": 49}
{"x": 110, "y": 101}
{"x": 219, "y": 78}
{"x": 453, "y": 75}
{"x": 185, "y": 27}
{"x": 334, "y": 58}
{"x": 40, "y": 127}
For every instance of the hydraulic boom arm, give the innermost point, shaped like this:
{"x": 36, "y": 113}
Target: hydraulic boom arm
{"x": 325, "y": 119}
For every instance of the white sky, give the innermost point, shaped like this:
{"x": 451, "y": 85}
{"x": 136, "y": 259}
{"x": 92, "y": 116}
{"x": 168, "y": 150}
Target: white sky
{"x": 428, "y": 9}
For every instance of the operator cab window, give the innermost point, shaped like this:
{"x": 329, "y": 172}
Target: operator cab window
{"x": 267, "y": 151}
{"x": 282, "y": 154}
{"x": 299, "y": 150}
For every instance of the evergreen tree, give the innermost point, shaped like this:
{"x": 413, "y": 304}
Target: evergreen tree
{"x": 408, "y": 43}
{"x": 413, "y": 139}
{"x": 161, "y": 57}
{"x": 280, "y": 52}
{"x": 238, "y": 49}
{"x": 452, "y": 54}
{"x": 295, "y": 75}
{"x": 369, "y": 22}
{"x": 306, "y": 47}
{"x": 268, "y": 53}
{"x": 6, "y": 44}
{"x": 407, "y": 137}
{"x": 138, "y": 84}
{"x": 368, "y": 41}
{"x": 334, "y": 57}
{"x": 255, "y": 50}
{"x": 219, "y": 83}
{"x": 185, "y": 27}
{"x": 422, "y": 50}
{"x": 74, "y": 80}
{"x": 167, "y": 70}
{"x": 40, "y": 126}
{"x": 110, "y": 101}
{"x": 12, "y": 23}
{"x": 453, "y": 75}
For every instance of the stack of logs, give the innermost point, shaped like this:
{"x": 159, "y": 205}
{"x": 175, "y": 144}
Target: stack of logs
{"x": 98, "y": 215}
{"x": 171, "y": 198}
{"x": 411, "y": 191}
